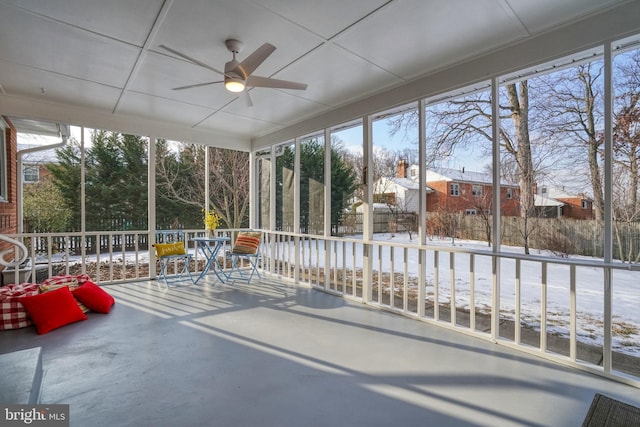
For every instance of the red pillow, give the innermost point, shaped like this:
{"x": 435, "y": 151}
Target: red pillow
{"x": 94, "y": 297}
{"x": 52, "y": 310}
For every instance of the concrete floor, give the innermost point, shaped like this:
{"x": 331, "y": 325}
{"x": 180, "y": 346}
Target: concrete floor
{"x": 274, "y": 354}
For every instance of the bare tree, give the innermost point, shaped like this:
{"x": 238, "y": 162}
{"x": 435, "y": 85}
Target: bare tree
{"x": 181, "y": 177}
{"x": 571, "y": 109}
{"x": 627, "y": 131}
{"x": 229, "y": 185}
{"x": 466, "y": 121}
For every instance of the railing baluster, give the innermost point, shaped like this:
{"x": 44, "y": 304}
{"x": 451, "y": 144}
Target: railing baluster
{"x": 452, "y": 285}
{"x": 472, "y": 292}
{"x": 380, "y": 280}
{"x": 543, "y": 309}
{"x": 573, "y": 323}
{"x": 518, "y": 302}
{"x": 436, "y": 286}
{"x": 405, "y": 281}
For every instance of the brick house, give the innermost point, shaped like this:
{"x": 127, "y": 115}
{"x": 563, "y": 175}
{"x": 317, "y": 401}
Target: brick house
{"x": 455, "y": 191}
{"x": 471, "y": 193}
{"x": 575, "y": 206}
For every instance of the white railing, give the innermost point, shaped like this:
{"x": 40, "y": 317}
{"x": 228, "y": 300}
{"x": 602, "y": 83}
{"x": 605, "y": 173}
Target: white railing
{"x": 107, "y": 256}
{"x": 568, "y": 310}
{"x": 573, "y": 311}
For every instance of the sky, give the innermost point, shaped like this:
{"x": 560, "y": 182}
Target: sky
{"x": 471, "y": 160}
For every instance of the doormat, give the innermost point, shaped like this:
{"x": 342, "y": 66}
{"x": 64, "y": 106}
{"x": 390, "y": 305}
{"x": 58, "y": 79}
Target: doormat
{"x": 607, "y": 412}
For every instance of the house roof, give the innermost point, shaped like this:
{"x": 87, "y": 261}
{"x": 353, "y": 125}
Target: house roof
{"x": 457, "y": 175}
{"x": 542, "y": 201}
{"x": 407, "y": 183}
{"x": 556, "y": 193}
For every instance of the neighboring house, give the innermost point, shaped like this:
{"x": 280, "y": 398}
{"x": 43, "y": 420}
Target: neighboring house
{"x": 576, "y": 206}
{"x": 401, "y": 192}
{"x": 547, "y": 208}
{"x": 471, "y": 193}
{"x": 455, "y": 191}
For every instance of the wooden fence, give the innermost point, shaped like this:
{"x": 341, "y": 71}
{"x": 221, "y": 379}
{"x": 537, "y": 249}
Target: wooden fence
{"x": 560, "y": 236}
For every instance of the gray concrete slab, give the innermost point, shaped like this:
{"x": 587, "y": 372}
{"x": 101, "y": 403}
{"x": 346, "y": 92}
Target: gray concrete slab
{"x": 274, "y": 354}
{"x": 21, "y": 376}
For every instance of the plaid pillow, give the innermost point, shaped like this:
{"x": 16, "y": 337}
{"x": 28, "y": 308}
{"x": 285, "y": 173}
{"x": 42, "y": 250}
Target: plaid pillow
{"x": 66, "y": 278}
{"x": 247, "y": 243}
{"x": 12, "y": 313}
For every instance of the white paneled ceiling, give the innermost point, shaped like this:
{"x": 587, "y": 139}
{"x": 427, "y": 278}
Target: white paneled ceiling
{"x": 99, "y": 63}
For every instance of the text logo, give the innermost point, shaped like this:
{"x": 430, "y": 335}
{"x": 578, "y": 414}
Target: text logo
{"x": 34, "y": 415}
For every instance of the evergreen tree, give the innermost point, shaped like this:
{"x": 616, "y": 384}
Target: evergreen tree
{"x": 65, "y": 176}
{"x": 343, "y": 181}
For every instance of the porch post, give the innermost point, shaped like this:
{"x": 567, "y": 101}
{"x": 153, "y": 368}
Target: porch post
{"x": 422, "y": 206}
{"x": 206, "y": 177}
{"x": 495, "y": 118}
{"x": 272, "y": 208}
{"x": 608, "y": 204}
{"x": 299, "y": 262}
{"x": 253, "y": 191}
{"x": 151, "y": 205}
{"x": 83, "y": 199}
{"x": 367, "y": 219}
{"x": 327, "y": 208}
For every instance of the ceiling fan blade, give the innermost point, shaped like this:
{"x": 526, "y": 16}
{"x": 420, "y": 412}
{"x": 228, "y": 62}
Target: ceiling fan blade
{"x": 190, "y": 59}
{"x": 257, "y": 81}
{"x": 196, "y": 85}
{"x": 247, "y": 98}
{"x": 254, "y": 60}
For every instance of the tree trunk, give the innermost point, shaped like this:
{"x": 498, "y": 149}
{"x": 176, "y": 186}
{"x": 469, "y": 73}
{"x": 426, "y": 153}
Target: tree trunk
{"x": 519, "y": 104}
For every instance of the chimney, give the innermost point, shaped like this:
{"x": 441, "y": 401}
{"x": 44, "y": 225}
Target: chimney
{"x": 402, "y": 169}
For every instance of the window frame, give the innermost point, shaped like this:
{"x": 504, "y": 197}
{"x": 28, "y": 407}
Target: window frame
{"x": 25, "y": 175}
{"x": 454, "y": 189}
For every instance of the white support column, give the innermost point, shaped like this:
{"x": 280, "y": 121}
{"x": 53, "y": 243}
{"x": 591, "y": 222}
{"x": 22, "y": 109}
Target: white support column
{"x": 207, "y": 174}
{"x": 83, "y": 198}
{"x": 327, "y": 207}
{"x": 272, "y": 207}
{"x": 422, "y": 206}
{"x": 296, "y": 211}
{"x": 608, "y": 204}
{"x": 253, "y": 191}
{"x": 151, "y": 204}
{"x": 495, "y": 231}
{"x": 367, "y": 220}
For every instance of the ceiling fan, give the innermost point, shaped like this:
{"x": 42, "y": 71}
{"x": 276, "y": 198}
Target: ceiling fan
{"x": 238, "y": 75}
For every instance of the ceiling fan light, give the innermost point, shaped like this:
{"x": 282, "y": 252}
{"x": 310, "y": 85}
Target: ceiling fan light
{"x": 233, "y": 84}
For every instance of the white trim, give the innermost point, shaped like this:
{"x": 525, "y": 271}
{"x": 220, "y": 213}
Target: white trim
{"x": 4, "y": 195}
